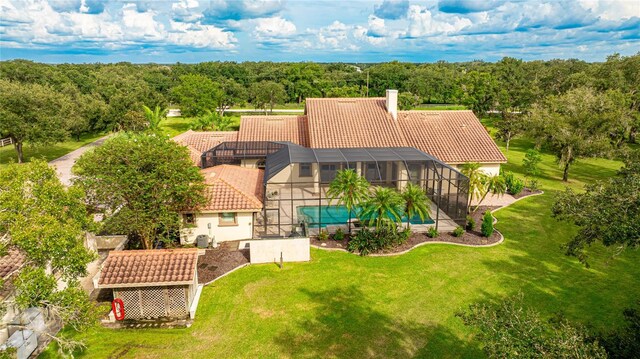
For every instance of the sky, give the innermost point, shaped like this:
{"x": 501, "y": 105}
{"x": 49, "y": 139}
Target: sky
{"x": 191, "y": 31}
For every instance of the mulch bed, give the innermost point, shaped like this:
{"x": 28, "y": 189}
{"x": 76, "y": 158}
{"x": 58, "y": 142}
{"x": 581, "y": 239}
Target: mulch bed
{"x": 526, "y": 192}
{"x": 469, "y": 237}
{"x": 216, "y": 262}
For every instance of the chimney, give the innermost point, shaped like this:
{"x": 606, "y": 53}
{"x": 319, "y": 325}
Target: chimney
{"x": 392, "y": 103}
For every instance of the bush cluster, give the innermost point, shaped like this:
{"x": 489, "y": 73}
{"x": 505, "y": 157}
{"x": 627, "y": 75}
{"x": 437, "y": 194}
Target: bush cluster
{"x": 374, "y": 240}
{"x": 471, "y": 224}
{"x": 323, "y": 235}
{"x": 487, "y": 224}
{"x": 432, "y": 232}
{"x": 458, "y": 232}
{"x": 514, "y": 185}
{"x": 339, "y": 235}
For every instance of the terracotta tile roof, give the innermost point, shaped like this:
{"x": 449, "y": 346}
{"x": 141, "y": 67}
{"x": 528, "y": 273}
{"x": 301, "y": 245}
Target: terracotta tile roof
{"x": 451, "y": 136}
{"x": 275, "y": 128}
{"x": 141, "y": 268}
{"x": 10, "y": 262}
{"x": 233, "y": 188}
{"x": 351, "y": 122}
{"x": 198, "y": 142}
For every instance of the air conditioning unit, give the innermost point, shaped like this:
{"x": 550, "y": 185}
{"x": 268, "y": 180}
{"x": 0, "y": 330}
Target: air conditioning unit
{"x": 202, "y": 241}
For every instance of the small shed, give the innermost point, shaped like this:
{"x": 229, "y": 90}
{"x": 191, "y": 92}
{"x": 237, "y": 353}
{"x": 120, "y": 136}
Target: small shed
{"x": 160, "y": 283}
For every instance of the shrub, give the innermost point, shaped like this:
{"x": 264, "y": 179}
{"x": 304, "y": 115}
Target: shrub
{"x": 471, "y": 223}
{"x": 533, "y": 184}
{"x": 432, "y": 232}
{"x": 514, "y": 184}
{"x": 487, "y": 224}
{"x": 339, "y": 235}
{"x": 374, "y": 240}
{"x": 458, "y": 232}
{"x": 516, "y": 187}
{"x": 323, "y": 235}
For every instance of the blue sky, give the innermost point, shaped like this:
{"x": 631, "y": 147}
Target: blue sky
{"x": 346, "y": 31}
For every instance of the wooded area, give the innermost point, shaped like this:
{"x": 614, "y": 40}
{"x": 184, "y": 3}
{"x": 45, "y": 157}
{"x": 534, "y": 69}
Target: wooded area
{"x": 73, "y": 99}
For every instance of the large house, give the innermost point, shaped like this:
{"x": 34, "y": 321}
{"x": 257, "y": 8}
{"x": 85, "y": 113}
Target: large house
{"x": 269, "y": 179}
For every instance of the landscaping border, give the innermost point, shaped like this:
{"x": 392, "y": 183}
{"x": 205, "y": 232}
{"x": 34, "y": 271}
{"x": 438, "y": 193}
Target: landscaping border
{"x": 495, "y": 220}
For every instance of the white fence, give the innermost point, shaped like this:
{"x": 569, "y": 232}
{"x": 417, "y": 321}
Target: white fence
{"x": 272, "y": 250}
{"x": 6, "y": 141}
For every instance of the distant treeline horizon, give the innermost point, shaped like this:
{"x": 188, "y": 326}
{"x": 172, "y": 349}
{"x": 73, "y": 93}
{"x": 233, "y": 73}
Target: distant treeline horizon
{"x": 98, "y": 97}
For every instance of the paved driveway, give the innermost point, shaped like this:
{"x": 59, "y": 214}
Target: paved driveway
{"x": 63, "y": 164}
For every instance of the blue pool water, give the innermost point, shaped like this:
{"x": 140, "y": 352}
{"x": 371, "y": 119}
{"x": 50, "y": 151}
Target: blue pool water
{"x": 333, "y": 215}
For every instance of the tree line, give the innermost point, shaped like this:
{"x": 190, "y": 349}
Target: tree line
{"x": 43, "y": 103}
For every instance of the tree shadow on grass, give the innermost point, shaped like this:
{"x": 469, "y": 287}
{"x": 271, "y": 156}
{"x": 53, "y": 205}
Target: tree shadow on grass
{"x": 345, "y": 324}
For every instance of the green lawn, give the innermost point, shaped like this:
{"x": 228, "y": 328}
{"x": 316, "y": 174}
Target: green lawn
{"x": 174, "y": 126}
{"x": 50, "y": 152}
{"x": 344, "y": 306}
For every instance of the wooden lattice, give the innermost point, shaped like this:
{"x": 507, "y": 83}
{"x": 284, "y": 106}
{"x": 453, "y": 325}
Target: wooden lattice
{"x": 154, "y": 302}
{"x": 177, "y": 297}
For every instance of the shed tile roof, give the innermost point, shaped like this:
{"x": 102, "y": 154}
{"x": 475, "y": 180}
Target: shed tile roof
{"x": 451, "y": 136}
{"x": 275, "y": 128}
{"x": 233, "y": 188}
{"x": 351, "y": 122}
{"x": 140, "y": 268}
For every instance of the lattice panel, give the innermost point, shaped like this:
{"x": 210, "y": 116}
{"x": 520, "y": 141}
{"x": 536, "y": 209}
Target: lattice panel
{"x": 153, "y": 302}
{"x": 131, "y": 299}
{"x": 177, "y": 299}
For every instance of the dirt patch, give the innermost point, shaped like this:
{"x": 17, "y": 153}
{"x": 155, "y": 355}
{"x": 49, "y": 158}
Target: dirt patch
{"x": 219, "y": 261}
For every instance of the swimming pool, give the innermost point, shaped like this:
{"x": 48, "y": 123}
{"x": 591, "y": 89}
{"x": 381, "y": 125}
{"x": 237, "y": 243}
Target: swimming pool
{"x": 334, "y": 215}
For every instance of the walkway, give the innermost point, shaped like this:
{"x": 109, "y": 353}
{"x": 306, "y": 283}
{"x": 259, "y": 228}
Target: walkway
{"x": 63, "y": 164}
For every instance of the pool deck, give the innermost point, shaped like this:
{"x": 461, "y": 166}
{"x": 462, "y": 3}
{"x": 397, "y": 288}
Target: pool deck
{"x": 306, "y": 197}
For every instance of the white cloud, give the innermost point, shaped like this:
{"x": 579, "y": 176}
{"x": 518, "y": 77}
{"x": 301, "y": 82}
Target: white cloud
{"x": 423, "y": 23}
{"x": 200, "y": 36}
{"x": 37, "y": 23}
{"x": 612, "y": 9}
{"x": 334, "y": 36}
{"x": 273, "y": 27}
{"x": 186, "y": 10}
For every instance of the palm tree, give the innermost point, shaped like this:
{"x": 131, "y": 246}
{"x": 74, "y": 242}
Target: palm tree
{"x": 385, "y": 207}
{"x": 494, "y": 184}
{"x": 477, "y": 180}
{"x": 416, "y": 202}
{"x": 154, "y": 117}
{"x": 350, "y": 189}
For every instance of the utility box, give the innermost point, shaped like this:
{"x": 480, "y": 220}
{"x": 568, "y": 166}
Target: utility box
{"x": 202, "y": 241}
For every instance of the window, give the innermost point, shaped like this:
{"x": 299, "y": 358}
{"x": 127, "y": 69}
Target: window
{"x": 305, "y": 170}
{"x": 227, "y": 219}
{"x": 414, "y": 172}
{"x": 328, "y": 173}
{"x": 189, "y": 218}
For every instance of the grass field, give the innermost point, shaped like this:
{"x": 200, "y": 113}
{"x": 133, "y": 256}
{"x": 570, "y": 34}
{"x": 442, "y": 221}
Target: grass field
{"x": 341, "y": 305}
{"x": 172, "y": 126}
{"x": 50, "y": 152}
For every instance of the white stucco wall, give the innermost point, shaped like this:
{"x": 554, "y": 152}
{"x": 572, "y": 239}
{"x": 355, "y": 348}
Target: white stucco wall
{"x": 491, "y": 169}
{"x": 242, "y": 230}
{"x": 270, "y": 250}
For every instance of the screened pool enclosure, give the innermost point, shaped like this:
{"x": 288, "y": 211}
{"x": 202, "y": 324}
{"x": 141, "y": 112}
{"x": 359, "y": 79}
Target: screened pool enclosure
{"x": 296, "y": 179}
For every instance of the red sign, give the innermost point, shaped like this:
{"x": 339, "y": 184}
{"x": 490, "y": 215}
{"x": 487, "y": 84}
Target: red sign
{"x": 118, "y": 308}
